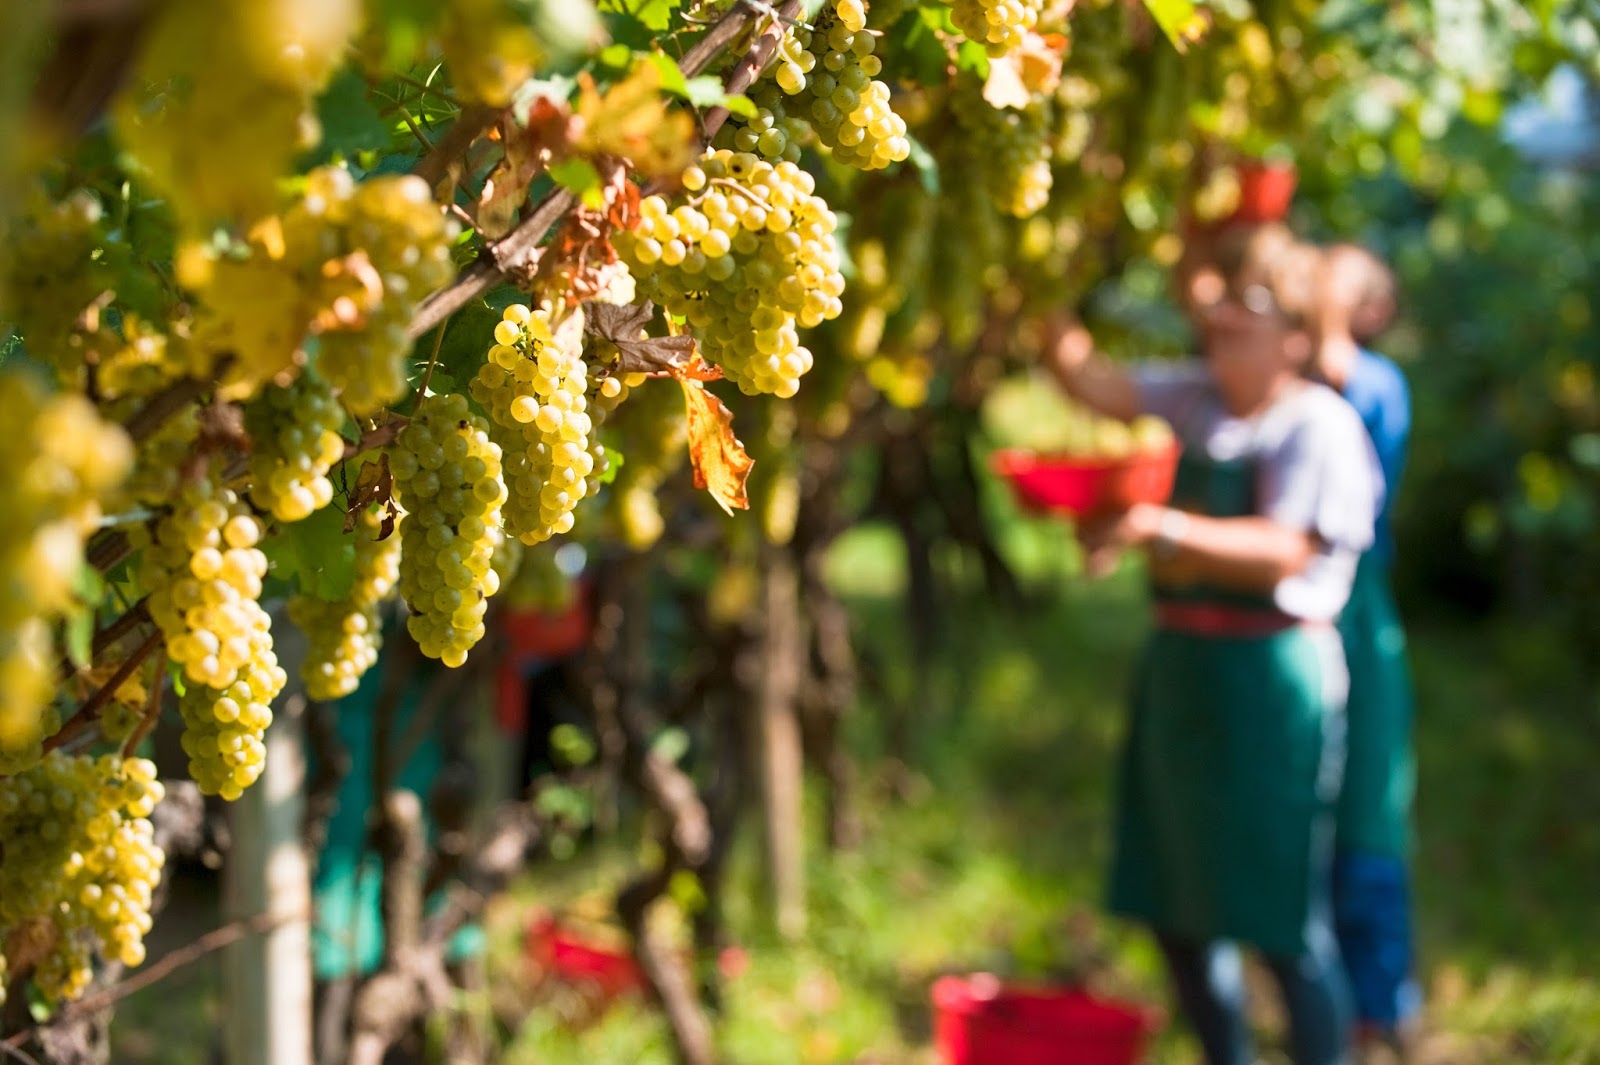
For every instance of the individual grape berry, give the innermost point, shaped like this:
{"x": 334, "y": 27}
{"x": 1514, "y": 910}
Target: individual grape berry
{"x": 447, "y": 475}
{"x": 294, "y": 433}
{"x": 534, "y": 389}
{"x": 751, "y": 262}
{"x": 344, "y": 636}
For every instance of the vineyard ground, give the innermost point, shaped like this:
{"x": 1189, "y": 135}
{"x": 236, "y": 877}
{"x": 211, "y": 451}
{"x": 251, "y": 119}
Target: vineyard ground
{"x": 991, "y": 856}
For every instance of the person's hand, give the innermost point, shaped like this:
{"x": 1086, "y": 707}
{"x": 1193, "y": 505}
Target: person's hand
{"x": 1104, "y": 538}
{"x": 1073, "y": 343}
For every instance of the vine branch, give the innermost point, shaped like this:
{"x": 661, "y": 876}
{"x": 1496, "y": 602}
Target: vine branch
{"x": 89, "y": 712}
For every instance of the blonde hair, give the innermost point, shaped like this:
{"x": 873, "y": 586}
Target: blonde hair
{"x": 1376, "y": 290}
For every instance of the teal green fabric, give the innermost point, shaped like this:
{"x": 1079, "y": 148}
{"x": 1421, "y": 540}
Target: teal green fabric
{"x": 1230, "y": 768}
{"x": 347, "y": 934}
{"x": 1221, "y": 490}
{"x": 1380, "y": 769}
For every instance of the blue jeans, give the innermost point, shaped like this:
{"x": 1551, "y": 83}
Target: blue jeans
{"x": 1372, "y": 915}
{"x": 1209, "y": 981}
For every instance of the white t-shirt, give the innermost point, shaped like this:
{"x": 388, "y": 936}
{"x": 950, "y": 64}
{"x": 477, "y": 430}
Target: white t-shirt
{"x": 1315, "y": 465}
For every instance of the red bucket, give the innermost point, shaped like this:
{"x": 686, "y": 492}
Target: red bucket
{"x": 1088, "y": 487}
{"x": 572, "y": 959}
{"x": 1265, "y": 191}
{"x": 980, "y": 1021}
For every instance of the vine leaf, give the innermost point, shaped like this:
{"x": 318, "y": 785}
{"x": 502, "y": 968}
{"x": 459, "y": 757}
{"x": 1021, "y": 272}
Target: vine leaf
{"x": 1181, "y": 20}
{"x": 631, "y": 120}
{"x": 637, "y": 353}
{"x": 1032, "y": 68}
{"x": 721, "y": 464}
{"x": 374, "y": 484}
{"x": 315, "y": 553}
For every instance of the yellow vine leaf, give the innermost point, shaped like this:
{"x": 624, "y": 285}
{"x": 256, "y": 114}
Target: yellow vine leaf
{"x": 721, "y": 464}
{"x": 631, "y": 119}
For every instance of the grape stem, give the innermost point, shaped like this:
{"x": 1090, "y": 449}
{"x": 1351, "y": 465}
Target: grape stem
{"x": 143, "y": 422}
{"x": 746, "y": 193}
{"x": 433, "y": 359}
{"x": 147, "y": 721}
{"x": 134, "y": 616}
{"x": 89, "y": 713}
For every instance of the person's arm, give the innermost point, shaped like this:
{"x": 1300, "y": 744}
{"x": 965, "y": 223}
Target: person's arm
{"x": 1091, "y": 379}
{"x": 1249, "y": 554}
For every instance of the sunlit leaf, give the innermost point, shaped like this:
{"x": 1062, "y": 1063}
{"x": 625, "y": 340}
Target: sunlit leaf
{"x": 721, "y": 464}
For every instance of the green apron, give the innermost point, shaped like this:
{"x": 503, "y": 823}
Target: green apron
{"x": 1380, "y": 771}
{"x": 1231, "y": 766}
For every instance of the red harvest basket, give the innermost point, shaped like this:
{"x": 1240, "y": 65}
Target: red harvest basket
{"x": 1088, "y": 487}
{"x": 1265, "y": 191}
{"x": 980, "y": 1021}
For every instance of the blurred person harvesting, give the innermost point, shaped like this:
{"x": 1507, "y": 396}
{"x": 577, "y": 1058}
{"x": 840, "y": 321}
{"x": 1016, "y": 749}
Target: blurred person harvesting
{"x": 1372, "y": 912}
{"x": 1232, "y": 761}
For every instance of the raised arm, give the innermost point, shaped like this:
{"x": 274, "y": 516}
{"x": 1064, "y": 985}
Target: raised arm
{"x": 1090, "y": 378}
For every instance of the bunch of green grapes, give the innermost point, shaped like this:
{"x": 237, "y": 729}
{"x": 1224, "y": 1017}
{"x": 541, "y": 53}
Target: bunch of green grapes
{"x": 223, "y": 727}
{"x": 81, "y": 865}
{"x": 447, "y": 474}
{"x": 489, "y": 49}
{"x": 222, "y": 100}
{"x": 891, "y": 246}
{"x": 748, "y": 262}
{"x": 380, "y": 247}
{"x": 773, "y": 133}
{"x": 295, "y": 442}
{"x": 139, "y": 361}
{"x": 125, "y": 709}
{"x": 848, "y": 106}
{"x": 652, "y": 432}
{"x": 609, "y": 394}
{"x": 1010, "y": 148}
{"x": 967, "y": 264}
{"x": 49, "y": 274}
{"x": 254, "y": 311}
{"x": 203, "y": 572}
{"x": 998, "y": 25}
{"x": 344, "y": 636}
{"x": 61, "y": 460}
{"x": 535, "y": 392}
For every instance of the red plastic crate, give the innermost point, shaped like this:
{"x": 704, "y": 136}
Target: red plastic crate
{"x": 980, "y": 1021}
{"x": 1088, "y": 487}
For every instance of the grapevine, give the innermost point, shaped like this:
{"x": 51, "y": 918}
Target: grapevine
{"x": 295, "y": 441}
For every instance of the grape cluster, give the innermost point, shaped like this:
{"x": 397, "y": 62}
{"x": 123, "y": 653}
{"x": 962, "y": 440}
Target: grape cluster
{"x": 48, "y": 275}
{"x": 537, "y": 582}
{"x": 489, "y": 49}
{"x": 223, "y": 727}
{"x": 773, "y": 133}
{"x": 447, "y": 474}
{"x": 848, "y": 106}
{"x": 380, "y": 247}
{"x": 81, "y": 866}
{"x": 254, "y": 311}
{"x": 295, "y": 441}
{"x": 1010, "y": 148}
{"x": 344, "y": 636}
{"x": 535, "y": 392}
{"x": 747, "y": 262}
{"x": 60, "y": 459}
{"x": 202, "y": 66}
{"x": 998, "y": 25}
{"x": 203, "y": 573}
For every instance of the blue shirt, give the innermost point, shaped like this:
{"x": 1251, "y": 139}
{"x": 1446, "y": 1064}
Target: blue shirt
{"x": 1377, "y": 390}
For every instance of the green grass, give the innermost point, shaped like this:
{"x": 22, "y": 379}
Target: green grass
{"x": 992, "y": 856}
